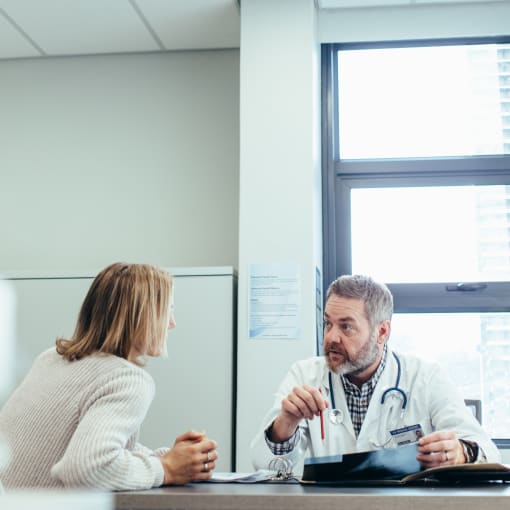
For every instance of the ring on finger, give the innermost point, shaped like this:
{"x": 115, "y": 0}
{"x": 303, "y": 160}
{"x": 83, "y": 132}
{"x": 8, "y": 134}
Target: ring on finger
{"x": 209, "y": 456}
{"x": 206, "y": 466}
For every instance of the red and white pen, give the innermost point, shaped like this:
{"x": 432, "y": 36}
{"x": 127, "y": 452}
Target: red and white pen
{"x": 321, "y": 416}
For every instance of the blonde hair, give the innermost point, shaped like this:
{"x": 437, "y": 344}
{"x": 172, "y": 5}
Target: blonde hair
{"x": 126, "y": 308}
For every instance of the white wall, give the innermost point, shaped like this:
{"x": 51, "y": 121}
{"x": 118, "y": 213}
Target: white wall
{"x": 280, "y": 188}
{"x": 119, "y": 157}
{"x": 7, "y": 333}
{"x": 414, "y": 22}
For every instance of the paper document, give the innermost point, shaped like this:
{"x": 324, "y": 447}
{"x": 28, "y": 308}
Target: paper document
{"x": 274, "y": 306}
{"x": 261, "y": 475}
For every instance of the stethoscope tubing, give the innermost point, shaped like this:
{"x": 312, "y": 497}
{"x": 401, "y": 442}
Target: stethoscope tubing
{"x": 385, "y": 392}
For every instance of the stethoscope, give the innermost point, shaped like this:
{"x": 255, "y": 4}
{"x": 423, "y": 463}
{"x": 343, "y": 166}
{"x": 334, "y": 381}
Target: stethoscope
{"x": 336, "y": 415}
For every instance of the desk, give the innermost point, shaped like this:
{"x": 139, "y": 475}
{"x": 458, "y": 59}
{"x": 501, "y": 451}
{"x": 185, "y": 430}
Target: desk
{"x": 289, "y": 496}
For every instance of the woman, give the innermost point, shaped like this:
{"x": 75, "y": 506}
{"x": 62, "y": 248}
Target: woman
{"x": 75, "y": 418}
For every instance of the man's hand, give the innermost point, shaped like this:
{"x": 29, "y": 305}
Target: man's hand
{"x": 440, "y": 449}
{"x": 304, "y": 402}
{"x": 192, "y": 457}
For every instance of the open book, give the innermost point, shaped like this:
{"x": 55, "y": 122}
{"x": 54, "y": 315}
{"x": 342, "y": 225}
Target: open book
{"x": 462, "y": 473}
{"x": 394, "y": 466}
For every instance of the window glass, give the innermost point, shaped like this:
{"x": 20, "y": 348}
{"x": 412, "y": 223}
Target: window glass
{"x": 431, "y": 234}
{"x": 431, "y": 101}
{"x": 473, "y": 349}
{"x": 416, "y": 193}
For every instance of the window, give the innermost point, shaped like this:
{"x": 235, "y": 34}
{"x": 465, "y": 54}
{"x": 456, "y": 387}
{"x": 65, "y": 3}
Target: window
{"x": 424, "y": 101}
{"x": 416, "y": 192}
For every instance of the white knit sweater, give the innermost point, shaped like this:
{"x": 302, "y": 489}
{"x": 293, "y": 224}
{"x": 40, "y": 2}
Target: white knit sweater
{"x": 75, "y": 424}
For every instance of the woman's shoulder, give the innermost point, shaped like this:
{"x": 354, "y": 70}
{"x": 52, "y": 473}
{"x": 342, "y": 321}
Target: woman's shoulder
{"x": 48, "y": 354}
{"x": 111, "y": 375}
{"x": 99, "y": 359}
{"x": 97, "y": 369}
{"x": 115, "y": 367}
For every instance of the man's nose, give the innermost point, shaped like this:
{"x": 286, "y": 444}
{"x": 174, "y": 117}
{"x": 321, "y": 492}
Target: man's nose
{"x": 333, "y": 335}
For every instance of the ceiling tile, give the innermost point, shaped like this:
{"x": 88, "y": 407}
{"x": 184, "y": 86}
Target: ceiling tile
{"x": 12, "y": 43}
{"x": 73, "y": 27}
{"x": 194, "y": 24}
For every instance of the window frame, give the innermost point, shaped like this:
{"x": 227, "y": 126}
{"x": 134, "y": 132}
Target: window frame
{"x": 339, "y": 177}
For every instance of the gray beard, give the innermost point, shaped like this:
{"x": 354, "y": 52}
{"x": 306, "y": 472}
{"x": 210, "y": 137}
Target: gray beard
{"x": 365, "y": 358}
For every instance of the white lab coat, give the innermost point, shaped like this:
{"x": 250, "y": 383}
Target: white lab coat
{"x": 432, "y": 401}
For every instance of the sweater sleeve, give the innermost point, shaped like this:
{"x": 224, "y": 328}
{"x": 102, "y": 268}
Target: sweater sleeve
{"x": 158, "y": 452}
{"x": 102, "y": 452}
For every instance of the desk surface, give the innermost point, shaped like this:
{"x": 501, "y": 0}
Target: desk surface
{"x": 292, "y": 496}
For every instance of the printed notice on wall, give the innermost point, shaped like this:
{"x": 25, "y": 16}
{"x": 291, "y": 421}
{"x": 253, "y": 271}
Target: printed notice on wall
{"x": 274, "y": 301}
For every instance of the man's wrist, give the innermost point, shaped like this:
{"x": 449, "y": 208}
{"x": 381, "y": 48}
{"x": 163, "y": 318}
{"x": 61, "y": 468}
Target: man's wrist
{"x": 470, "y": 449}
{"x": 281, "y": 448}
{"x": 281, "y": 430}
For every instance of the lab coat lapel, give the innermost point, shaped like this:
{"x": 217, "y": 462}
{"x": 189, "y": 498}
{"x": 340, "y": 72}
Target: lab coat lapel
{"x": 375, "y": 418}
{"x": 340, "y": 403}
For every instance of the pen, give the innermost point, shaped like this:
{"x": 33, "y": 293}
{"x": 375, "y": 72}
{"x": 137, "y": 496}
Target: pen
{"x": 321, "y": 416}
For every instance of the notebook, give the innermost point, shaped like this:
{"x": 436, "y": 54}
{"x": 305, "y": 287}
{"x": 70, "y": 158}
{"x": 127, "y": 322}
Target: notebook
{"x": 395, "y": 466}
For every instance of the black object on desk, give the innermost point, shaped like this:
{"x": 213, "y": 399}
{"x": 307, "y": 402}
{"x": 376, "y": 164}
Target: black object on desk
{"x": 377, "y": 465}
{"x": 397, "y": 466}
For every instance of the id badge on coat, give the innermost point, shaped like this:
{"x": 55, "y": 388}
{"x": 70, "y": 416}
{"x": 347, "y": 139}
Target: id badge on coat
{"x": 407, "y": 435}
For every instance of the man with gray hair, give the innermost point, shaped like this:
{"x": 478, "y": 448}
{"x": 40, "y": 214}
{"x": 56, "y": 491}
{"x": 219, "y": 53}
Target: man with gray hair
{"x": 368, "y": 396}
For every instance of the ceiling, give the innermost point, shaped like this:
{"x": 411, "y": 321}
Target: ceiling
{"x": 40, "y": 28}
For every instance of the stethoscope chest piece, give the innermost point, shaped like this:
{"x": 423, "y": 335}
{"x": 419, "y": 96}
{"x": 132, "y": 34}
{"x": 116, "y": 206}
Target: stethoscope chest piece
{"x": 336, "y": 416}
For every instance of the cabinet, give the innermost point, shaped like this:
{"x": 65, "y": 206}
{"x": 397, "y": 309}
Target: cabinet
{"x": 195, "y": 384}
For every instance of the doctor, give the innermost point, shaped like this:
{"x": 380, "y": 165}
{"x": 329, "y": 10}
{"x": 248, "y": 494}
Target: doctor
{"x": 369, "y": 396}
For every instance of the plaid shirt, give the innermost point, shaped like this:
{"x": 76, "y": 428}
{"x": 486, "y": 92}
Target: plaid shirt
{"x": 286, "y": 446}
{"x": 358, "y": 400}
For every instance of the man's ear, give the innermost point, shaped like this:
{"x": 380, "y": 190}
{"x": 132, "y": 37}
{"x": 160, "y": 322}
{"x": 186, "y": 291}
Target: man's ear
{"x": 383, "y": 331}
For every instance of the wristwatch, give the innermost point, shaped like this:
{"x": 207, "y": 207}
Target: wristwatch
{"x": 471, "y": 450}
